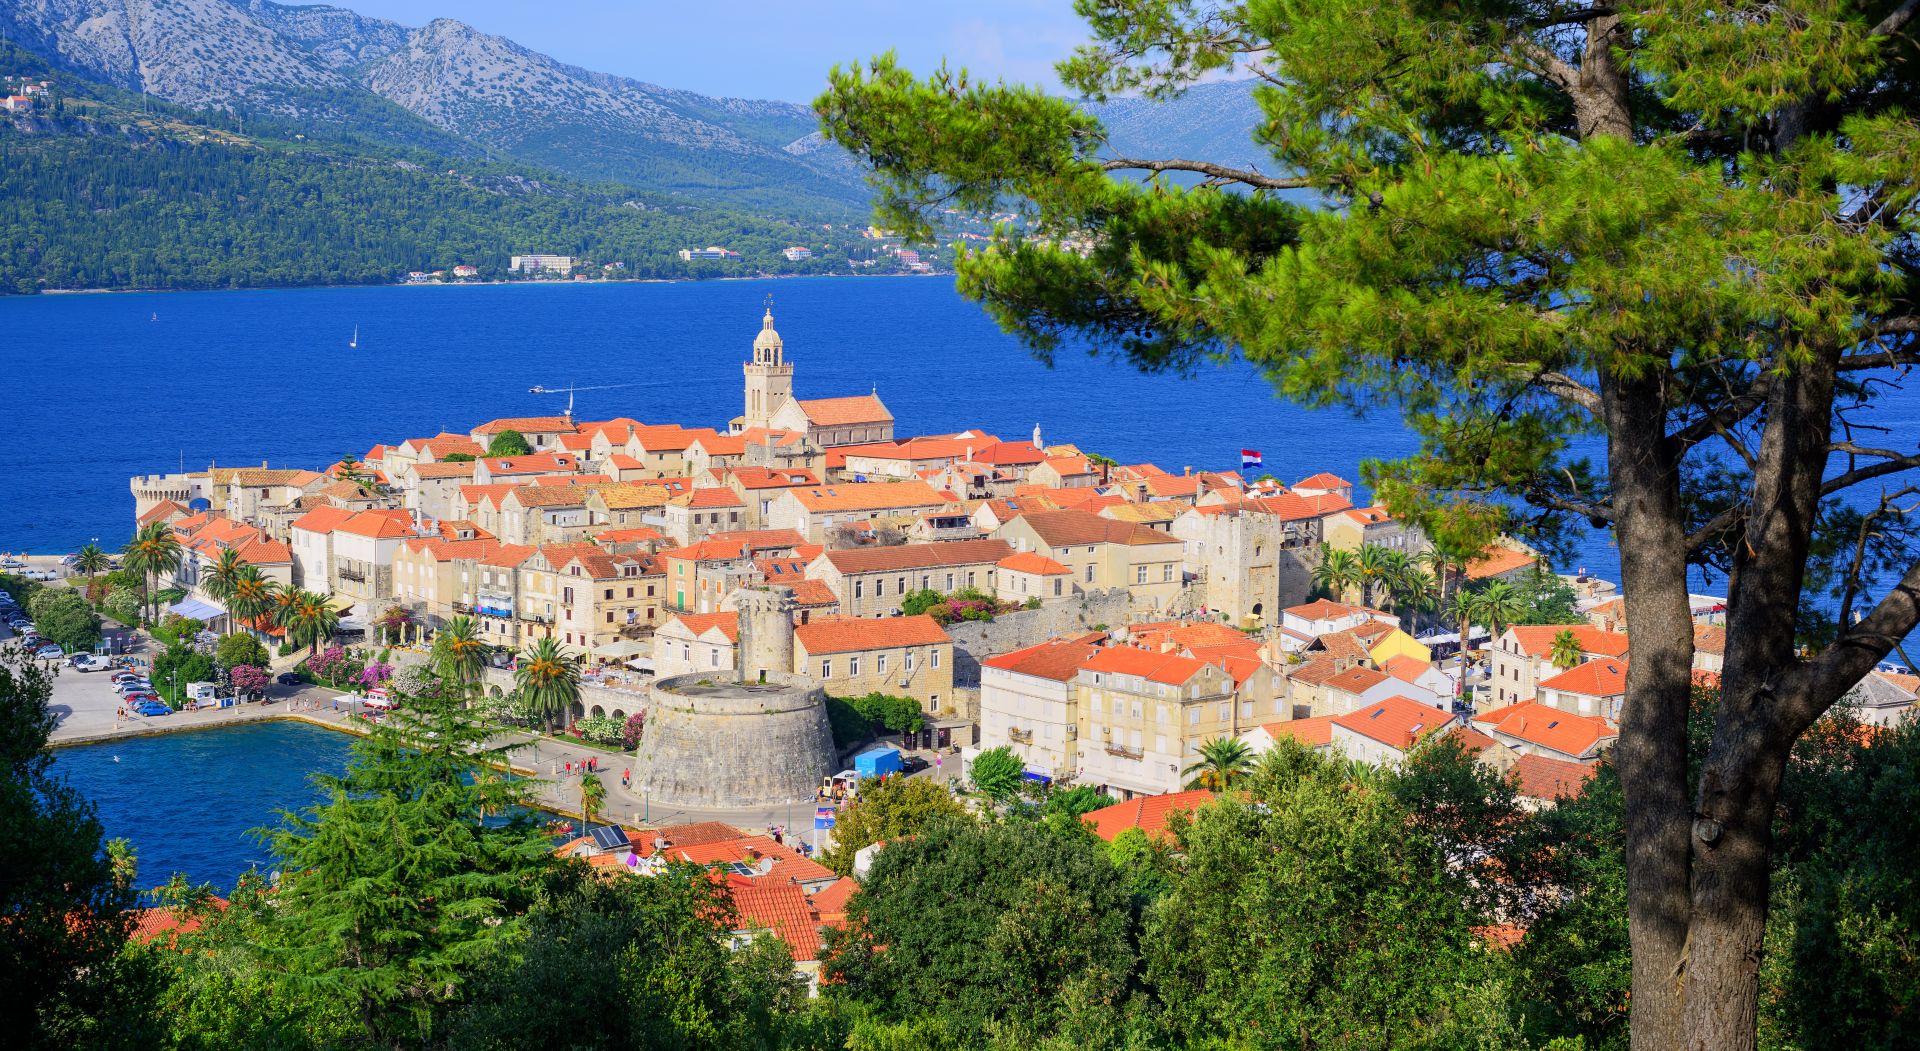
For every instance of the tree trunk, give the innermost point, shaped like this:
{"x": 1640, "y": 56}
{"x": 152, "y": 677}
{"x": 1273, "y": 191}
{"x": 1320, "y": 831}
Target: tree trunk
{"x": 1649, "y": 526}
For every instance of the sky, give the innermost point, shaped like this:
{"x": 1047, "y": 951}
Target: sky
{"x": 763, "y": 49}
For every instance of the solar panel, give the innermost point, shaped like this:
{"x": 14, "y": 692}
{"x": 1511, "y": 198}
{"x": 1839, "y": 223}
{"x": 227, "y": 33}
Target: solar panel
{"x": 609, "y": 837}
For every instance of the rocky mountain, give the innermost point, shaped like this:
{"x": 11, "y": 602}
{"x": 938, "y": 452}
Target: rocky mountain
{"x": 451, "y": 89}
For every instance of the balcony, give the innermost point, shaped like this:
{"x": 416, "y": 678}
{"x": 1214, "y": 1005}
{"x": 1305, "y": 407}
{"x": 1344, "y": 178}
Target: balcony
{"x": 358, "y": 576}
{"x": 1123, "y": 752}
{"x": 535, "y": 618}
{"x": 1020, "y": 736}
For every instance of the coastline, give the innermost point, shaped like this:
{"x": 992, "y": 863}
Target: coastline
{"x": 459, "y": 284}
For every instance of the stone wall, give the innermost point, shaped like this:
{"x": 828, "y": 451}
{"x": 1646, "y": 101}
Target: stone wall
{"x": 614, "y": 703}
{"x": 973, "y": 640}
{"x": 716, "y": 743}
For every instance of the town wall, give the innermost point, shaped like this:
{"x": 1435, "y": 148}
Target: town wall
{"x": 974, "y": 639}
{"x": 718, "y": 743}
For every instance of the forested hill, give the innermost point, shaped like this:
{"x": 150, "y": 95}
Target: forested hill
{"x": 95, "y": 193}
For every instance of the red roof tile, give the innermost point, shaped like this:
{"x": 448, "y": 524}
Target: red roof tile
{"x": 853, "y": 634}
{"x": 1543, "y": 777}
{"x": 1397, "y": 722}
{"x": 1056, "y": 659}
{"x": 1148, "y": 813}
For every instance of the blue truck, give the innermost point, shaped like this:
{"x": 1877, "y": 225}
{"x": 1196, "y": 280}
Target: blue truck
{"x": 878, "y": 762}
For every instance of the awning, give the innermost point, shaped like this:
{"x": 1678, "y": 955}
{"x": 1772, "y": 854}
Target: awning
{"x": 340, "y": 603}
{"x": 196, "y": 609}
{"x": 622, "y": 648}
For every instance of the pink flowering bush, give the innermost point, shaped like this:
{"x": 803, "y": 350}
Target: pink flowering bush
{"x": 630, "y": 734}
{"x": 374, "y": 675}
{"x": 326, "y": 663}
{"x": 248, "y": 679}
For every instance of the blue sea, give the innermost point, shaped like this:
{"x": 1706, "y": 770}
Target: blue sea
{"x": 189, "y": 801}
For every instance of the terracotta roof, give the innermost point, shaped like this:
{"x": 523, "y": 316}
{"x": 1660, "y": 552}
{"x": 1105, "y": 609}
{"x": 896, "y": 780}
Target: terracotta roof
{"x": 1323, "y": 480}
{"x": 1076, "y": 527}
{"x": 508, "y": 555}
{"x": 767, "y": 478}
{"x": 763, "y": 903}
{"x": 628, "y": 535}
{"x": 1293, "y": 507}
{"x": 1316, "y": 732}
{"x": 1538, "y": 724}
{"x": 867, "y": 496}
{"x": 851, "y": 634}
{"x": 1604, "y": 677}
{"x": 532, "y": 463}
{"x": 381, "y": 525}
{"x": 1543, "y": 777}
{"x": 1008, "y": 454}
{"x": 1708, "y": 638}
{"x": 570, "y": 479}
{"x": 530, "y": 496}
{"x": 830, "y": 901}
{"x": 1147, "y": 813}
{"x": 163, "y": 509}
{"x": 1032, "y": 562}
{"x": 1397, "y": 722}
{"x": 525, "y": 424}
{"x": 1322, "y": 609}
{"x": 701, "y": 499}
{"x": 808, "y": 594}
{"x": 1356, "y": 680}
{"x": 918, "y": 556}
{"x": 1406, "y": 669}
{"x": 1160, "y": 634}
{"x": 1056, "y": 659}
{"x": 1536, "y": 640}
{"x": 682, "y": 835}
{"x": 442, "y": 469}
{"x": 698, "y": 624}
{"x": 1499, "y": 560}
{"x": 788, "y": 864}
{"x": 634, "y": 495}
{"x": 833, "y": 412}
{"x": 1169, "y": 668}
{"x": 670, "y": 437}
{"x": 1314, "y": 672}
{"x": 1370, "y": 631}
{"x": 322, "y": 519}
{"x": 1341, "y": 645}
{"x": 1471, "y": 740}
{"x": 1367, "y": 515}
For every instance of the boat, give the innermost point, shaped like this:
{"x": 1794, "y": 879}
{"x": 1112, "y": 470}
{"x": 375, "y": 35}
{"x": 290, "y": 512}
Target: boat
{"x": 354, "y": 343}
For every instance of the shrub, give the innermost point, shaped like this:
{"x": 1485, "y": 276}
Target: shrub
{"x": 631, "y": 732}
{"x": 601, "y": 729}
{"x": 249, "y": 679}
{"x": 62, "y": 616}
{"x": 240, "y": 648}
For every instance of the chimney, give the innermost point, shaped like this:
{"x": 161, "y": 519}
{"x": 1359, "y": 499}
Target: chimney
{"x": 1186, "y": 472}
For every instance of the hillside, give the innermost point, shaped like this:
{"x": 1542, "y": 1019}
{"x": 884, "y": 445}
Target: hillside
{"x": 102, "y": 190}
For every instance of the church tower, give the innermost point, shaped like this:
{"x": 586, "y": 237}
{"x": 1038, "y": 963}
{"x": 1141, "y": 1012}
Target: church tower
{"x": 769, "y": 378}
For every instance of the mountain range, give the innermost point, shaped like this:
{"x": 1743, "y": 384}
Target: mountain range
{"x": 451, "y": 89}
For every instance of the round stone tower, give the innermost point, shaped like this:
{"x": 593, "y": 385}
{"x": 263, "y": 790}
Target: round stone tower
{"x": 720, "y": 743}
{"x": 766, "y": 631}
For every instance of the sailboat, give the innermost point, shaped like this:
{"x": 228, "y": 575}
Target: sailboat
{"x": 354, "y": 343}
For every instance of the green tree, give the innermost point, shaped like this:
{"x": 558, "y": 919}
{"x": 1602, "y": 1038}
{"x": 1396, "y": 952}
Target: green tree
{"x": 998, "y": 772}
{"x": 152, "y": 551}
{"x": 547, "y": 680}
{"x": 1565, "y": 653}
{"x": 896, "y": 807}
{"x": 220, "y": 577}
{"x": 1009, "y": 924}
{"x": 1338, "y": 572}
{"x": 1472, "y": 815}
{"x": 61, "y": 615}
{"x": 309, "y": 619}
{"x": 458, "y": 653}
{"x": 509, "y": 443}
{"x": 252, "y": 600}
{"x": 920, "y": 601}
{"x": 1498, "y": 605}
{"x": 1240, "y": 945}
{"x": 67, "y": 906}
{"x": 240, "y": 648}
{"x": 397, "y": 884}
{"x": 92, "y": 561}
{"x": 593, "y": 796}
{"x": 1221, "y": 760}
{"x": 1682, "y": 228}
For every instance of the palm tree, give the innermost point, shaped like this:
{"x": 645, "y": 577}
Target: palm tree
{"x": 220, "y": 576}
{"x": 548, "y": 680}
{"x": 1338, "y": 570}
{"x": 1374, "y": 568}
{"x": 251, "y": 599}
{"x": 1499, "y": 604}
{"x": 311, "y": 620}
{"x": 152, "y": 551}
{"x": 281, "y": 600}
{"x": 92, "y": 561}
{"x": 593, "y": 794}
{"x": 459, "y": 653}
{"x": 1220, "y": 759}
{"x": 1565, "y": 652}
{"x": 1439, "y": 565}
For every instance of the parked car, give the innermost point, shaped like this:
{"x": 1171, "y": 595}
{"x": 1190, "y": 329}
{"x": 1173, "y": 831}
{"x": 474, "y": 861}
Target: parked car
{"x": 12, "y": 563}
{"x": 89, "y": 662}
{"x": 50, "y": 651}
{"x": 123, "y": 675}
{"x": 153, "y": 707}
{"x": 287, "y": 678}
{"x": 135, "y": 686}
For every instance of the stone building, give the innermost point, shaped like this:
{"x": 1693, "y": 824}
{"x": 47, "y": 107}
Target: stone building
{"x": 872, "y": 581}
{"x": 901, "y": 656}
{"x": 1028, "y": 703}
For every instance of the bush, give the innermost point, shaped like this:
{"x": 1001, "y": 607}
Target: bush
{"x": 630, "y": 733}
{"x": 240, "y": 648}
{"x": 919, "y": 602}
{"x": 63, "y": 617}
{"x": 600, "y": 729}
{"x": 249, "y": 680}
{"x": 287, "y": 649}
{"x": 123, "y": 605}
{"x": 858, "y": 718}
{"x": 998, "y": 772}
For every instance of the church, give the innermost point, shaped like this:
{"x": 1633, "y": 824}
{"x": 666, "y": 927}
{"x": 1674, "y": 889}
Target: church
{"x": 827, "y": 422}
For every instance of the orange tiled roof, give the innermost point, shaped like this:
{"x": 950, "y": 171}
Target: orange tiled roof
{"x": 701, "y": 499}
{"x": 1323, "y": 480}
{"x": 763, "y": 903}
{"x": 830, "y": 901}
{"x": 1397, "y": 722}
{"x": 1148, "y": 813}
{"x": 1032, "y": 562}
{"x": 163, "y": 509}
{"x": 1056, "y": 659}
{"x": 698, "y": 624}
{"x": 1543, "y": 777}
{"x": 444, "y": 469}
{"x": 1076, "y": 527}
{"x": 1604, "y": 677}
{"x": 526, "y": 424}
{"x": 1536, "y": 640}
{"x": 1356, "y": 680}
{"x": 833, "y": 412}
{"x": 1406, "y": 669}
{"x": 1322, "y": 609}
{"x": 324, "y": 519}
{"x": 1499, "y": 560}
{"x": 532, "y": 463}
{"x": 386, "y": 524}
{"x": 919, "y": 556}
{"x": 1709, "y": 638}
{"x": 1551, "y": 728}
{"x": 867, "y": 496}
{"x": 810, "y": 594}
{"x": 853, "y": 634}
{"x": 1169, "y": 668}
{"x": 1316, "y": 732}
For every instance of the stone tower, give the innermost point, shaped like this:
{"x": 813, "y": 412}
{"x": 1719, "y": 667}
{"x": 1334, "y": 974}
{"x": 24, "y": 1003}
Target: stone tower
{"x": 769, "y": 378}
{"x": 766, "y": 632}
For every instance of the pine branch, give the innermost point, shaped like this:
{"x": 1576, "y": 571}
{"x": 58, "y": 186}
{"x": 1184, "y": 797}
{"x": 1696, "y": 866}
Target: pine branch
{"x": 1217, "y": 171}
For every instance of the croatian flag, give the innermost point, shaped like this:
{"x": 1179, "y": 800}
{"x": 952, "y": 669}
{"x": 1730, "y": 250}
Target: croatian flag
{"x": 1249, "y": 458}
{"x": 823, "y": 817}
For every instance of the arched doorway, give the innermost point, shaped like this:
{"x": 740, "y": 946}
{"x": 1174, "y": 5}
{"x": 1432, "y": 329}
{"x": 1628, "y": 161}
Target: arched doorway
{"x": 599, "y": 712}
{"x": 578, "y": 711}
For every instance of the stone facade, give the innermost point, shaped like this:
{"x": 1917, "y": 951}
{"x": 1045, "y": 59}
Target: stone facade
{"x": 974, "y": 640}
{"x": 714, "y": 742}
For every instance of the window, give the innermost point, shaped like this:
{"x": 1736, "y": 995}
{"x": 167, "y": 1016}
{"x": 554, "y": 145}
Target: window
{"x": 1193, "y": 716}
{"x": 853, "y": 665}
{"x": 629, "y": 592}
{"x": 713, "y": 657}
{"x": 686, "y": 653}
{"x": 1089, "y": 572}
{"x": 902, "y": 588}
{"x": 880, "y": 664}
{"x": 1246, "y": 709}
{"x": 1166, "y": 572}
{"x": 609, "y": 616}
{"x": 1139, "y": 574}
{"x": 1119, "y": 706}
{"x": 909, "y": 660}
{"x": 566, "y": 596}
{"x": 1136, "y": 709}
{"x": 826, "y": 669}
{"x": 879, "y": 587}
{"x": 608, "y": 595}
{"x": 936, "y": 658}
{"x": 858, "y": 588}
{"x": 949, "y": 581}
{"x": 1226, "y": 711}
{"x": 1056, "y": 586}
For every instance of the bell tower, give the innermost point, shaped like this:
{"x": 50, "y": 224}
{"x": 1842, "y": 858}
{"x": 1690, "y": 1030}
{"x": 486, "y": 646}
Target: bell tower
{"x": 769, "y": 379}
